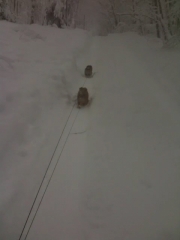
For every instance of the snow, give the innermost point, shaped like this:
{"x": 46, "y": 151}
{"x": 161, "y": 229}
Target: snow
{"x": 39, "y": 78}
{"x": 117, "y": 163}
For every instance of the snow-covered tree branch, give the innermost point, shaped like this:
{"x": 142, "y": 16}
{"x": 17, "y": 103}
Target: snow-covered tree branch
{"x": 160, "y": 17}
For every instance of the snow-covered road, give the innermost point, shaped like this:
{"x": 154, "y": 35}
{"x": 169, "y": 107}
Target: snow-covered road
{"x": 119, "y": 177}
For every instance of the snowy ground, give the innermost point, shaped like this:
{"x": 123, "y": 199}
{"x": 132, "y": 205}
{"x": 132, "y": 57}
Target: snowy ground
{"x": 119, "y": 172}
{"x": 123, "y": 172}
{"x": 38, "y": 80}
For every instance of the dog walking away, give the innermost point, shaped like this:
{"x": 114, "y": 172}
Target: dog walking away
{"x": 82, "y": 97}
{"x": 88, "y": 71}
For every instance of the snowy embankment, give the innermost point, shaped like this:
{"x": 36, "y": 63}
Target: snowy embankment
{"x": 162, "y": 63}
{"x": 39, "y": 77}
{"x": 132, "y": 169}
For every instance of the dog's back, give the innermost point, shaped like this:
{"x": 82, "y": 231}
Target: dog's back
{"x": 88, "y": 71}
{"x": 82, "y": 97}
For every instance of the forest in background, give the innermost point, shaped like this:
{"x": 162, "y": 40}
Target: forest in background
{"x": 158, "y": 17}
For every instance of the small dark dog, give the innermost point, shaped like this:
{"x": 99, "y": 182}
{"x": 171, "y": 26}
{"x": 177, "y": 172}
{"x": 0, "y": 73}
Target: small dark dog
{"x": 82, "y": 97}
{"x": 88, "y": 71}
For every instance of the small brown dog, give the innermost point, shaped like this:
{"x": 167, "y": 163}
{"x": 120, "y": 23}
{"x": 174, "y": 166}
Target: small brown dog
{"x": 88, "y": 71}
{"x": 82, "y": 97}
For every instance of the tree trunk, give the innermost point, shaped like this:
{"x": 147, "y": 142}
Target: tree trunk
{"x": 163, "y": 19}
{"x": 157, "y": 23}
{"x": 134, "y": 12}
